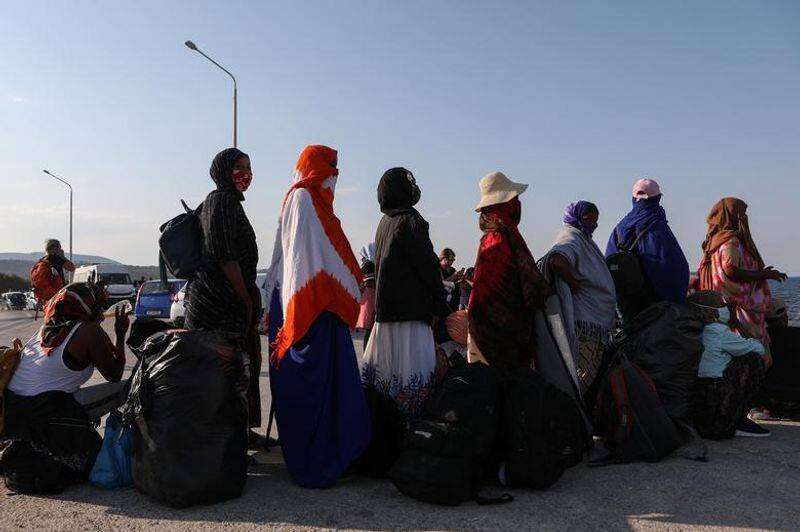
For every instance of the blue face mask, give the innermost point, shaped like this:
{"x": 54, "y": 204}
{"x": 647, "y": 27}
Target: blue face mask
{"x": 724, "y": 314}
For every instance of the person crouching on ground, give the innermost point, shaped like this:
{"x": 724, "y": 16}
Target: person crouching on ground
{"x": 577, "y": 269}
{"x": 320, "y": 406}
{"x": 400, "y": 358}
{"x": 730, "y": 375}
{"x": 49, "y": 416}
{"x": 508, "y": 287}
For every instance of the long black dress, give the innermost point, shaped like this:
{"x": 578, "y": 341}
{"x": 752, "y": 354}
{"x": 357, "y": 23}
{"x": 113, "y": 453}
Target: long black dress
{"x": 211, "y": 301}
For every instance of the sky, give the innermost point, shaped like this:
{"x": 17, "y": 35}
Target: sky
{"x": 577, "y": 99}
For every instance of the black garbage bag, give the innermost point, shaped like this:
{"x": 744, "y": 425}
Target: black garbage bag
{"x": 666, "y": 341}
{"x": 188, "y": 404}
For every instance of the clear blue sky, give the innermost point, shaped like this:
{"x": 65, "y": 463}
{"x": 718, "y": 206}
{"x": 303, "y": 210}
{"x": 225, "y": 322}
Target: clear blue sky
{"x": 576, "y": 98}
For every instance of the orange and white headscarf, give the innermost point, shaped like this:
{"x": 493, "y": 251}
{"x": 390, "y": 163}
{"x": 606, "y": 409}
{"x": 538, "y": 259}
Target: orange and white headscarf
{"x": 312, "y": 264}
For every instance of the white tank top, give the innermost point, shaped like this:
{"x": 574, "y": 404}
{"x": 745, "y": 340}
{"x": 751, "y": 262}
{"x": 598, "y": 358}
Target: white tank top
{"x": 38, "y": 373}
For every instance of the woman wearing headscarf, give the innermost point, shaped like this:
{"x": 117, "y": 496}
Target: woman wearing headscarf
{"x": 576, "y": 268}
{"x": 223, "y": 295}
{"x": 664, "y": 266}
{"x": 320, "y": 406}
{"x": 49, "y": 414}
{"x": 366, "y": 315}
{"x": 400, "y": 358}
{"x": 732, "y": 266}
{"x": 508, "y": 287}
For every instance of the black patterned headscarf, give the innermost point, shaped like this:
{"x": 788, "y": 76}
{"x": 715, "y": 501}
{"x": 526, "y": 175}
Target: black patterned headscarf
{"x": 222, "y": 167}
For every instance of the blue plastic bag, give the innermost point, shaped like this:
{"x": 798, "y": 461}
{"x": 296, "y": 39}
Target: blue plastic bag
{"x": 112, "y": 469}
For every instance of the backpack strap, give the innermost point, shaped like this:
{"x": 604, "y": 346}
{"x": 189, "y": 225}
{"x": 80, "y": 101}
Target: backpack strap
{"x": 638, "y": 237}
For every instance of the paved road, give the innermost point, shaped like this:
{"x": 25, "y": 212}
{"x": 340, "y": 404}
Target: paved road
{"x": 752, "y": 484}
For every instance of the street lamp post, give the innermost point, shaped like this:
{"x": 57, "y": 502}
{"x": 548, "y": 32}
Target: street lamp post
{"x": 70, "y": 209}
{"x": 192, "y": 46}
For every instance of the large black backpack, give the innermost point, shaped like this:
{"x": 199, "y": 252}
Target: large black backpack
{"x": 181, "y": 244}
{"x": 446, "y": 453}
{"x": 542, "y": 431}
{"x": 630, "y": 416}
{"x": 624, "y": 265}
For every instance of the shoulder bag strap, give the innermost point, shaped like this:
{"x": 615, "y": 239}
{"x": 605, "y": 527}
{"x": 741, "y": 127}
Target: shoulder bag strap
{"x": 640, "y": 235}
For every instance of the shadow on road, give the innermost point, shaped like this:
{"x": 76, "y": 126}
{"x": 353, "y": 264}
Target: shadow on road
{"x": 747, "y": 483}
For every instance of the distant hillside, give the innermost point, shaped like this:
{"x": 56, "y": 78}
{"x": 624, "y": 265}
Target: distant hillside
{"x": 20, "y": 264}
{"x": 36, "y": 255}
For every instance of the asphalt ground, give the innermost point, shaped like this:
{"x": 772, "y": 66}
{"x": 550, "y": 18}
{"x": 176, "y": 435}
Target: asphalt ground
{"x": 746, "y": 484}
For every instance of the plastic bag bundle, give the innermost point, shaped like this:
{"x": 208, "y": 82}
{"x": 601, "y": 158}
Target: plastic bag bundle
{"x": 188, "y": 403}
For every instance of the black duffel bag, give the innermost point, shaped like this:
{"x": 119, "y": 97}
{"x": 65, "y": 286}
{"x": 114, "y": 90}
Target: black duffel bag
{"x": 542, "y": 431}
{"x": 666, "y": 341}
{"x": 446, "y": 455}
{"x": 188, "y": 404}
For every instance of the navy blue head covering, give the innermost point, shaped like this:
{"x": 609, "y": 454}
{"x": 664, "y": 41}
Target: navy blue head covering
{"x": 660, "y": 254}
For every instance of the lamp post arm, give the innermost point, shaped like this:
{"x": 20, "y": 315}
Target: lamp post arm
{"x": 53, "y": 175}
{"x": 199, "y": 51}
{"x": 193, "y": 47}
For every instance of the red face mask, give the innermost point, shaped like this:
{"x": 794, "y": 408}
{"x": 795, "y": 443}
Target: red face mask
{"x": 241, "y": 179}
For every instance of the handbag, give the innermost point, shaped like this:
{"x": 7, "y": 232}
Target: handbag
{"x": 112, "y": 469}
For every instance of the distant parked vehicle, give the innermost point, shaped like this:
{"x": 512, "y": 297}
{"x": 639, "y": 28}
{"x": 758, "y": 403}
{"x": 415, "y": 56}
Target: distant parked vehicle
{"x": 4, "y": 305}
{"x": 15, "y": 300}
{"x": 115, "y": 277}
{"x": 155, "y": 300}
{"x": 261, "y": 280}
{"x": 177, "y": 312}
{"x": 30, "y": 301}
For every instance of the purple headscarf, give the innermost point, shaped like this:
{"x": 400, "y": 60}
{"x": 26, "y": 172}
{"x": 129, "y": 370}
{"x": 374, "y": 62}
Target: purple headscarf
{"x": 574, "y": 213}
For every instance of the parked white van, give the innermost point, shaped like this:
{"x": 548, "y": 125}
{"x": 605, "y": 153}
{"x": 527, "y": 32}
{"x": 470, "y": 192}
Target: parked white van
{"x": 115, "y": 276}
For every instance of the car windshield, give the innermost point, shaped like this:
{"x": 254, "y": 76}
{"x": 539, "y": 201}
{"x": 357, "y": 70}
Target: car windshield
{"x": 15, "y": 297}
{"x": 154, "y": 287}
{"x": 115, "y": 278}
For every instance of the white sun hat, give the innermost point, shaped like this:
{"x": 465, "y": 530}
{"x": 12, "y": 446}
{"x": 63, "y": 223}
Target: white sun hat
{"x": 497, "y": 188}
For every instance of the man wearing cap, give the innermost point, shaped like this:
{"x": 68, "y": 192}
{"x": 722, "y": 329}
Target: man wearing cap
{"x": 730, "y": 375}
{"x": 663, "y": 263}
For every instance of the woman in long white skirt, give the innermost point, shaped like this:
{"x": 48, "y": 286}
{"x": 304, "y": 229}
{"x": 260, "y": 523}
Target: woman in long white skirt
{"x": 400, "y": 357}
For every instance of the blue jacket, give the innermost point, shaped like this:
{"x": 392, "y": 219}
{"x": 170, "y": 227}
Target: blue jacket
{"x": 720, "y": 345}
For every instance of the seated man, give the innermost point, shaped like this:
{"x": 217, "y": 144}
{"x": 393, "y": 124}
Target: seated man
{"x": 49, "y": 418}
{"x": 731, "y": 373}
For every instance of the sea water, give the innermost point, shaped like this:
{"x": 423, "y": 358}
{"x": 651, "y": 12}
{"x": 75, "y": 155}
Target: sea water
{"x": 789, "y": 292}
